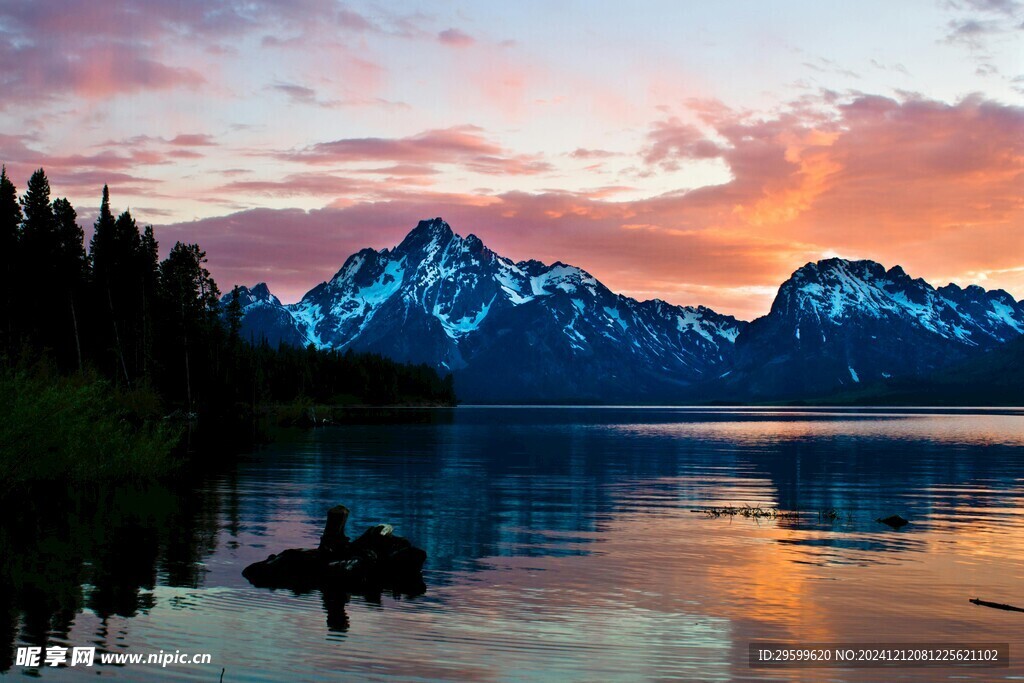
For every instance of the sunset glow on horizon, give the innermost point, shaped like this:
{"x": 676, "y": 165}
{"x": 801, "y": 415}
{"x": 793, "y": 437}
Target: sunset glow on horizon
{"x": 693, "y": 152}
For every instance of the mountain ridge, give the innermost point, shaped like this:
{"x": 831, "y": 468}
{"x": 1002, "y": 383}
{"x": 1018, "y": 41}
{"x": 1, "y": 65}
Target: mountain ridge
{"x": 532, "y": 332}
{"x": 836, "y": 323}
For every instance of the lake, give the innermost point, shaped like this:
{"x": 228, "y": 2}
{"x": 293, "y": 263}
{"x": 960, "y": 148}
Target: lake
{"x": 563, "y": 545}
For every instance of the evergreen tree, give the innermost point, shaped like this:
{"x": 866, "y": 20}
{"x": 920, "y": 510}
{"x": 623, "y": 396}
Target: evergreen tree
{"x": 191, "y": 299}
{"x": 129, "y": 300}
{"x": 149, "y": 276}
{"x": 38, "y": 234}
{"x": 69, "y": 235}
{"x": 70, "y": 268}
{"x": 10, "y": 222}
{"x": 37, "y": 263}
{"x": 10, "y": 213}
{"x": 35, "y": 205}
{"x": 161, "y": 324}
{"x": 115, "y": 251}
{"x": 233, "y": 314}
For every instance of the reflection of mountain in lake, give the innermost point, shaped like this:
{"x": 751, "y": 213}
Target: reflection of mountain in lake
{"x": 496, "y": 486}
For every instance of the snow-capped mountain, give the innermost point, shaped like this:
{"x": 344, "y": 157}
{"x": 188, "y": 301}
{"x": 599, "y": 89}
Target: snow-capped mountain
{"x": 508, "y": 331}
{"x": 535, "y": 333}
{"x": 837, "y": 324}
{"x": 265, "y": 317}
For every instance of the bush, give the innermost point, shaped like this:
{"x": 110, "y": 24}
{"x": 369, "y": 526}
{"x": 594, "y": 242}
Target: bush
{"x": 76, "y": 429}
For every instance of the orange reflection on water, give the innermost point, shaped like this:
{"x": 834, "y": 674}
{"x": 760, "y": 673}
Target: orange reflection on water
{"x": 766, "y": 428}
{"x": 705, "y": 583}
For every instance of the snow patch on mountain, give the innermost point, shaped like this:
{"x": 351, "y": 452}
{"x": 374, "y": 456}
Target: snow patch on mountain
{"x": 837, "y": 290}
{"x": 453, "y": 303}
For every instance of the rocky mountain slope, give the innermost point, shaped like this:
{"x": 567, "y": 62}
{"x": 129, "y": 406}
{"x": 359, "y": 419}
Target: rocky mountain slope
{"x": 836, "y": 324}
{"x": 509, "y": 332}
{"x": 537, "y": 333}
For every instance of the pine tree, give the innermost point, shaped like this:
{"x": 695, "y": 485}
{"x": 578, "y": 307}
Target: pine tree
{"x": 36, "y": 205}
{"x": 102, "y": 239}
{"x": 127, "y": 290}
{"x": 234, "y": 316}
{"x": 36, "y": 264}
{"x": 70, "y": 267}
{"x": 149, "y": 275}
{"x": 191, "y": 299}
{"x": 110, "y": 259}
{"x": 10, "y": 222}
{"x": 38, "y": 236}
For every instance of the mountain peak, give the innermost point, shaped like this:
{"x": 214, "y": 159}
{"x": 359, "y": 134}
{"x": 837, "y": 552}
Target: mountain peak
{"x": 860, "y": 268}
{"x": 261, "y": 291}
{"x": 863, "y": 294}
{"x": 508, "y": 330}
{"x": 432, "y": 231}
{"x": 518, "y": 331}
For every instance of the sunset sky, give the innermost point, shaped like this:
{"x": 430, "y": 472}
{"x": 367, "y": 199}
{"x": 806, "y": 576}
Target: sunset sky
{"x": 697, "y": 152}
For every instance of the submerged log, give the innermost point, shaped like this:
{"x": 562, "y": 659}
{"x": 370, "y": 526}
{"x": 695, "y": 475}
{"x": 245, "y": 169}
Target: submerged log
{"x": 378, "y": 559}
{"x": 997, "y": 605}
{"x": 895, "y": 521}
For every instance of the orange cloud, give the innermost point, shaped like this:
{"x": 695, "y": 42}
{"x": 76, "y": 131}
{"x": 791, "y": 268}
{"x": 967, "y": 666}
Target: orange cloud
{"x": 935, "y": 187}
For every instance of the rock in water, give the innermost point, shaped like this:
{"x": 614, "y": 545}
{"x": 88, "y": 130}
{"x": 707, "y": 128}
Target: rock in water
{"x": 378, "y": 559}
{"x": 895, "y": 521}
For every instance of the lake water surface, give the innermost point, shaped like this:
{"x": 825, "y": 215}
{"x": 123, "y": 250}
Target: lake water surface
{"x": 563, "y": 545}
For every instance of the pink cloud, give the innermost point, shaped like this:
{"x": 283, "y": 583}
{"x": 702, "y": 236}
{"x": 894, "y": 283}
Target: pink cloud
{"x": 455, "y": 38}
{"x": 114, "y": 155}
{"x": 584, "y": 153}
{"x": 94, "y": 72}
{"x": 465, "y": 146}
{"x": 672, "y": 142}
{"x": 192, "y": 140}
{"x": 99, "y": 49}
{"x": 932, "y": 186}
{"x": 298, "y": 184}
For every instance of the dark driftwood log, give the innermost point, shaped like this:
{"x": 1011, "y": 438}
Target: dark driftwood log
{"x": 376, "y": 560}
{"x": 895, "y": 521}
{"x": 334, "y": 538}
{"x": 997, "y": 605}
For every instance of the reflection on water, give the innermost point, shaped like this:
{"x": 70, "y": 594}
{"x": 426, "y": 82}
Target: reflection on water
{"x": 562, "y": 545}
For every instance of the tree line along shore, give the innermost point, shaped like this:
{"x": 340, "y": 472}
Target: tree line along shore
{"x": 112, "y": 360}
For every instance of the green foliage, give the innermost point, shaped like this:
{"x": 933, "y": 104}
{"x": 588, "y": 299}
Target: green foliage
{"x": 75, "y": 428}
